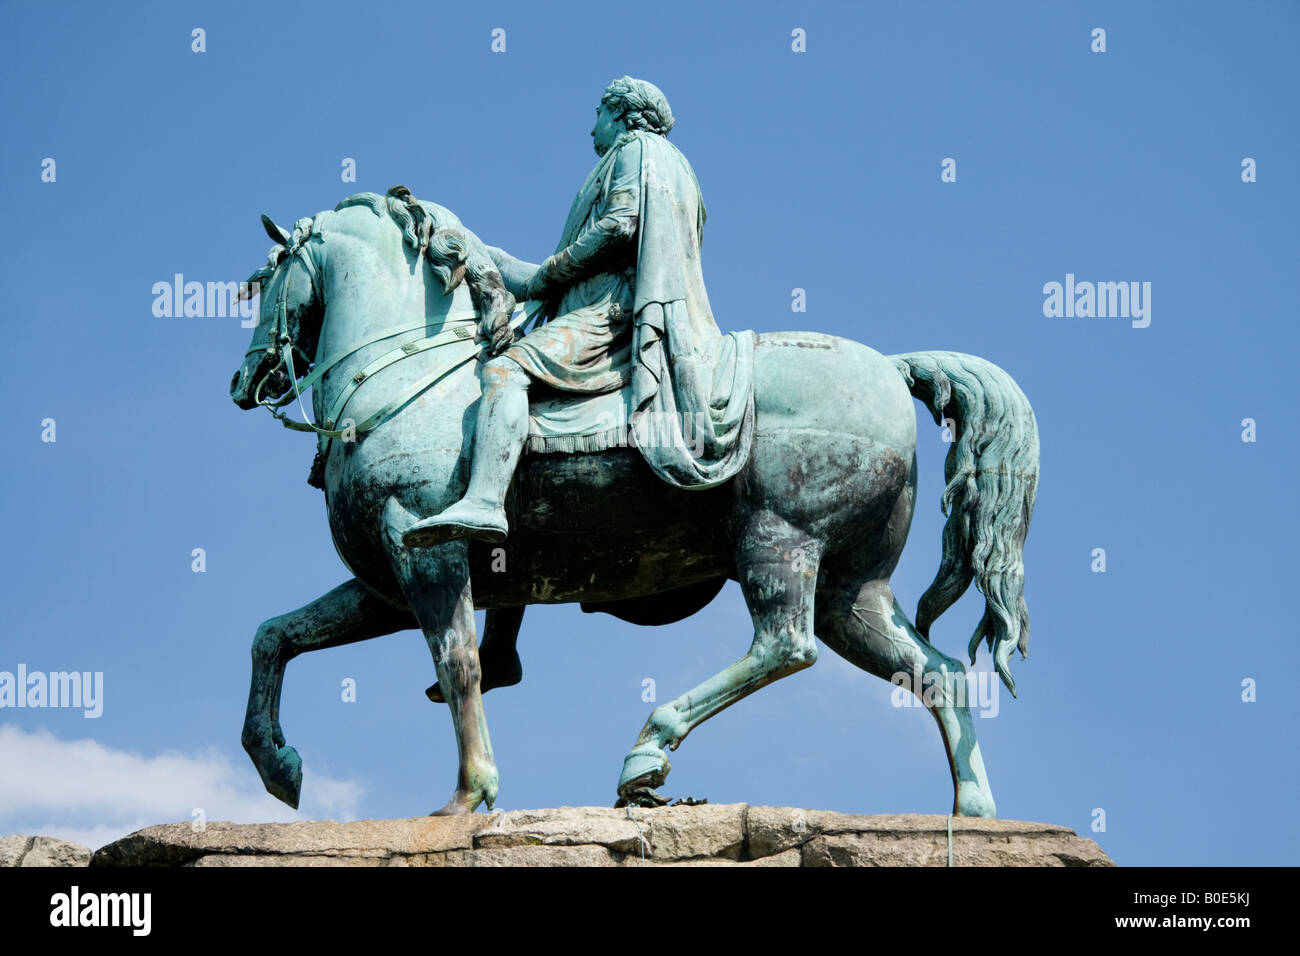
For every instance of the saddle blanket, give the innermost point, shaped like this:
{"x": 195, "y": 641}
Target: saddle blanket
{"x": 560, "y": 422}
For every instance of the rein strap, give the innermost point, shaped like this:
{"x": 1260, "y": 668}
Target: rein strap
{"x": 460, "y": 332}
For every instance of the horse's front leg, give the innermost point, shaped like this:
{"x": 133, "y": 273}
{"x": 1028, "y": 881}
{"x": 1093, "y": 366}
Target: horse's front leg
{"x": 437, "y": 586}
{"x": 497, "y": 653}
{"x": 345, "y": 615}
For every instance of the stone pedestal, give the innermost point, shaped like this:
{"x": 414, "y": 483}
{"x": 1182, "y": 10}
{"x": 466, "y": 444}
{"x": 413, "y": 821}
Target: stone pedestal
{"x": 41, "y": 851}
{"x": 707, "y": 835}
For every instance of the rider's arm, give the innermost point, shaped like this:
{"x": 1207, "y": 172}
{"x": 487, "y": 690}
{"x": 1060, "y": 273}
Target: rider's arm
{"x": 610, "y": 241}
{"x": 515, "y": 272}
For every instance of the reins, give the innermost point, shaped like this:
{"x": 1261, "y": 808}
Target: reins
{"x": 456, "y": 329}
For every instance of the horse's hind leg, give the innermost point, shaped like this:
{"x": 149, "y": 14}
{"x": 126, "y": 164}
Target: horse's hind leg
{"x": 777, "y": 568}
{"x": 864, "y": 624}
{"x": 345, "y": 615}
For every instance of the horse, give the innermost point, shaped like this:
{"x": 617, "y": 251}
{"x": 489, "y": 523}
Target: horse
{"x": 811, "y": 527}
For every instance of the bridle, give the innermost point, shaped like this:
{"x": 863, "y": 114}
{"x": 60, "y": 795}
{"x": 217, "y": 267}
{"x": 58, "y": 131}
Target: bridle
{"x": 456, "y": 327}
{"x": 280, "y": 342}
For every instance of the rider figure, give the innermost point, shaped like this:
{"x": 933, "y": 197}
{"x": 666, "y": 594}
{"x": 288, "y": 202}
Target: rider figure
{"x": 588, "y": 288}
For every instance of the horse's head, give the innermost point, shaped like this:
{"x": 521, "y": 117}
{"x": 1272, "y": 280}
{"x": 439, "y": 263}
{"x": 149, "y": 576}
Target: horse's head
{"x": 289, "y": 318}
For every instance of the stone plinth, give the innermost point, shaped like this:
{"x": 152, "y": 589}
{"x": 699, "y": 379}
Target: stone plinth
{"x": 41, "y": 851}
{"x": 706, "y": 835}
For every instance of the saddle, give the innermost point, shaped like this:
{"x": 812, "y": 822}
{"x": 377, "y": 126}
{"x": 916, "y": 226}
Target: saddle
{"x": 558, "y": 422}
{"x": 566, "y": 422}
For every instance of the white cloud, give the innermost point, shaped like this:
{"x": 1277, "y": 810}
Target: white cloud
{"x": 84, "y": 791}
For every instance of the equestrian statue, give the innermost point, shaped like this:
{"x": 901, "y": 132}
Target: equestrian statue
{"x": 494, "y": 433}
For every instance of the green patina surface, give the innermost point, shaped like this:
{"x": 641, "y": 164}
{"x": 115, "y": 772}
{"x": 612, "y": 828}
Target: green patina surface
{"x": 784, "y": 461}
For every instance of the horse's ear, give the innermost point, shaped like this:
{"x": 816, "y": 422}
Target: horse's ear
{"x": 275, "y": 232}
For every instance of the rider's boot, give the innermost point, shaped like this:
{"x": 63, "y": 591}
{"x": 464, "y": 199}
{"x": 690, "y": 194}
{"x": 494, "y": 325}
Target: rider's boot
{"x": 500, "y": 431}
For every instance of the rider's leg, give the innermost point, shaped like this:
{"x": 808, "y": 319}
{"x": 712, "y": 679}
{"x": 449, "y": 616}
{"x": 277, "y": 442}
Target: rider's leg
{"x": 500, "y": 431}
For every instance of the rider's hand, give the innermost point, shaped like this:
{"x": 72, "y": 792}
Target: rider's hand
{"x": 538, "y": 286}
{"x": 497, "y": 333}
{"x": 556, "y": 273}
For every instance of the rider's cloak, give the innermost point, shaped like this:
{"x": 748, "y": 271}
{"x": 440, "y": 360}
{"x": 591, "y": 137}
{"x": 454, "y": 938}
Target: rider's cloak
{"x": 691, "y": 387}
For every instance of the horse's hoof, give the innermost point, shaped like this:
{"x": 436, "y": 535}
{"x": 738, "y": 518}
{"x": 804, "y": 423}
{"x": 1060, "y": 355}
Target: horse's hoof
{"x": 644, "y": 768}
{"x": 283, "y": 778}
{"x": 974, "y": 801}
{"x": 462, "y": 803}
{"x": 640, "y": 797}
{"x": 455, "y": 807}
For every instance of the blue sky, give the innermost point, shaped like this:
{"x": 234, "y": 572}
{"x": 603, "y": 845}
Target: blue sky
{"x": 820, "y": 170}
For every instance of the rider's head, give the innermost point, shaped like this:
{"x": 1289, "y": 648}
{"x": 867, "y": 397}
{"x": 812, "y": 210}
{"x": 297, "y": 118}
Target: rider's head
{"x": 630, "y": 104}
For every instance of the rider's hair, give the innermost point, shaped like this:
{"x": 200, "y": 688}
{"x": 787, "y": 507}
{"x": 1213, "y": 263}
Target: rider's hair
{"x": 641, "y": 104}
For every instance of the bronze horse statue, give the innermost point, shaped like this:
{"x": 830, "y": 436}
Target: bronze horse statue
{"x": 811, "y": 528}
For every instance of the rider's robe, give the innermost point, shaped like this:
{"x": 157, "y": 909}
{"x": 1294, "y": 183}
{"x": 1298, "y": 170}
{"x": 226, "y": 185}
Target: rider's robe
{"x": 635, "y": 313}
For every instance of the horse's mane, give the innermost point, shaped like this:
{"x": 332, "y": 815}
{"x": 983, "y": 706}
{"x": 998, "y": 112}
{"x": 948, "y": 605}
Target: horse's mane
{"x": 432, "y": 232}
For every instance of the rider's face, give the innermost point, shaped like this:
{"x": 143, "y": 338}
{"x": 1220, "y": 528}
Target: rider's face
{"x": 606, "y": 130}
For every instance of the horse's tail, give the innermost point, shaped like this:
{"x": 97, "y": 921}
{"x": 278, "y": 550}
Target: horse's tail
{"x": 992, "y": 475}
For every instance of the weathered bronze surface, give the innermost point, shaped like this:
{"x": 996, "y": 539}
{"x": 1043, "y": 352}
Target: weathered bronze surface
{"x": 799, "y": 482}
